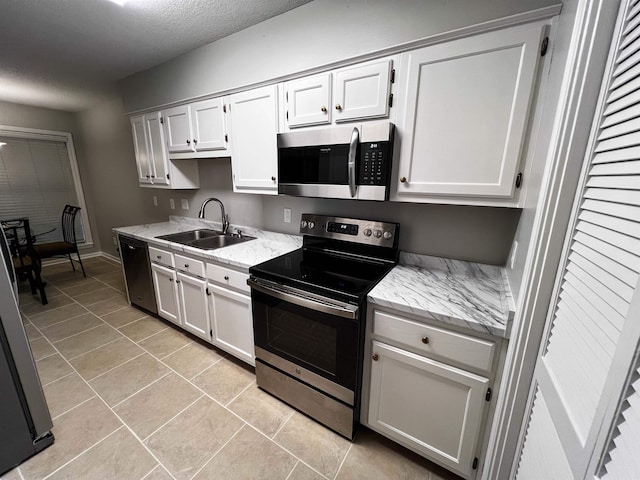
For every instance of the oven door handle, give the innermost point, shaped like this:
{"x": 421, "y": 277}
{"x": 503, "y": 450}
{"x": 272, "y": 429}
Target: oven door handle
{"x": 353, "y": 150}
{"x": 325, "y": 306}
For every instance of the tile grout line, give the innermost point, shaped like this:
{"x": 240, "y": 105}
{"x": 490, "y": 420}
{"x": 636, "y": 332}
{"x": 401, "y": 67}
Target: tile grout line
{"x": 205, "y": 369}
{"x": 75, "y": 334}
{"x": 151, "y": 471}
{"x": 139, "y": 390}
{"x": 94, "y": 349}
{"x": 57, "y": 323}
{"x": 81, "y": 453}
{"x": 217, "y": 451}
{"x": 175, "y": 416}
{"x": 59, "y": 378}
{"x": 74, "y": 407}
{"x": 343, "y": 460}
{"x": 241, "y": 392}
{"x": 117, "y": 366}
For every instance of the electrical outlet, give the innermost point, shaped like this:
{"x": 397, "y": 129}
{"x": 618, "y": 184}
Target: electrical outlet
{"x": 185, "y": 204}
{"x": 512, "y": 259}
{"x": 172, "y": 204}
{"x": 287, "y": 215}
{"x": 155, "y": 201}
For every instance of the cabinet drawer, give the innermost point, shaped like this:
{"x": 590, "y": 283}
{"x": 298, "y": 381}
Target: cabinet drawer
{"x": 228, "y": 277}
{"x": 445, "y": 344}
{"x": 190, "y": 265}
{"x": 161, "y": 256}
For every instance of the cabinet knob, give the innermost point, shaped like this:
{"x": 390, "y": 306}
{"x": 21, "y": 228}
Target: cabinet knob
{"x": 170, "y": 279}
{"x": 338, "y": 107}
{"x": 186, "y": 265}
{"x": 148, "y": 176}
{"x": 425, "y": 340}
{"x": 323, "y": 109}
{"x": 153, "y": 176}
{"x": 403, "y": 179}
{"x": 159, "y": 257}
{"x": 177, "y": 281}
{"x": 375, "y": 357}
{"x": 188, "y": 142}
{"x": 195, "y": 141}
{"x": 226, "y": 277}
{"x": 273, "y": 179}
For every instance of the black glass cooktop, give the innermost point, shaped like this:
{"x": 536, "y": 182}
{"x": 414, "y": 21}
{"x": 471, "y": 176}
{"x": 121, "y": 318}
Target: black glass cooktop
{"x": 331, "y": 274}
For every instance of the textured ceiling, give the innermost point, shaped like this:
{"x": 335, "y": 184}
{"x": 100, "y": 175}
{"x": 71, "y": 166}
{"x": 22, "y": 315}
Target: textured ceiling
{"x": 67, "y": 54}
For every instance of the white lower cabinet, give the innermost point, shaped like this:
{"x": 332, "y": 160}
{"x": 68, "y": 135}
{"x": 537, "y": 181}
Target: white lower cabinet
{"x": 192, "y": 292}
{"x": 439, "y": 410}
{"x": 427, "y": 388}
{"x": 164, "y": 283}
{"x": 230, "y": 312}
{"x": 231, "y": 322}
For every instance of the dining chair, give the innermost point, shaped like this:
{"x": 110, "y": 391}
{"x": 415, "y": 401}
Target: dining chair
{"x": 26, "y": 262}
{"x": 68, "y": 245}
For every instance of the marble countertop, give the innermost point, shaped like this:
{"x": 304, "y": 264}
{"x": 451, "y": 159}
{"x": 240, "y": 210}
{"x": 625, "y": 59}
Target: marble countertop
{"x": 470, "y": 295}
{"x": 266, "y": 246}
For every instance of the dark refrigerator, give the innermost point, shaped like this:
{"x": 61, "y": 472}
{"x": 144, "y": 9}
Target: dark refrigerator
{"x": 25, "y": 422}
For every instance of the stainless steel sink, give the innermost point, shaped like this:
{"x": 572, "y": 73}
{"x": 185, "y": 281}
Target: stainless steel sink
{"x": 191, "y": 236}
{"x": 212, "y": 243}
{"x": 206, "y": 239}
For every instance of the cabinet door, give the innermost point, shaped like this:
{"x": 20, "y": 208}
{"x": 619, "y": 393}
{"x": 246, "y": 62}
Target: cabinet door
{"x": 232, "y": 322}
{"x": 192, "y": 293}
{"x": 362, "y": 91}
{"x": 178, "y": 128}
{"x": 439, "y": 412}
{"x": 207, "y": 121}
{"x": 253, "y": 127}
{"x": 309, "y": 100}
{"x": 141, "y": 149}
{"x": 158, "y": 155}
{"x": 465, "y": 116}
{"x": 164, "y": 282}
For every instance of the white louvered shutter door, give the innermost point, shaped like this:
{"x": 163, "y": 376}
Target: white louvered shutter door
{"x": 592, "y": 330}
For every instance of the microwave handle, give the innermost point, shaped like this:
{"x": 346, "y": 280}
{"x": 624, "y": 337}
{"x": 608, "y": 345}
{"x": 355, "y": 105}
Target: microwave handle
{"x": 353, "y": 150}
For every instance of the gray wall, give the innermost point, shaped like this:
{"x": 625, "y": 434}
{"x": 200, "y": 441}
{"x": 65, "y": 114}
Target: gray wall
{"x": 480, "y": 234}
{"x": 315, "y": 34}
{"x": 25, "y": 116}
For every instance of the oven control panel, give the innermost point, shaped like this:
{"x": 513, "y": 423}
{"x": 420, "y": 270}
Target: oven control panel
{"x": 370, "y": 232}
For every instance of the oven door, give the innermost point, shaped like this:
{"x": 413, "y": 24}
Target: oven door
{"x": 311, "y": 338}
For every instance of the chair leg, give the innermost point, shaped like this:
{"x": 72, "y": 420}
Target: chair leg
{"x": 40, "y": 284}
{"x": 32, "y": 283}
{"x": 81, "y": 265}
{"x": 71, "y": 260}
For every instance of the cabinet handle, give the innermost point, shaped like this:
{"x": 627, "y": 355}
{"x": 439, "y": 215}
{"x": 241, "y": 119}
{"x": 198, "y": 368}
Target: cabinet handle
{"x": 159, "y": 257}
{"x": 226, "y": 277}
{"x": 375, "y": 357}
{"x": 153, "y": 176}
{"x": 323, "y": 109}
{"x": 148, "y": 176}
{"x": 195, "y": 141}
{"x": 188, "y": 142}
{"x": 186, "y": 265}
{"x": 177, "y": 281}
{"x": 338, "y": 107}
{"x": 170, "y": 279}
{"x": 403, "y": 179}
{"x": 425, "y": 340}
{"x": 273, "y": 179}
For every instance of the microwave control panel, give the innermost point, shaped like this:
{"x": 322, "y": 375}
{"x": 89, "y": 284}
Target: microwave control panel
{"x": 375, "y": 163}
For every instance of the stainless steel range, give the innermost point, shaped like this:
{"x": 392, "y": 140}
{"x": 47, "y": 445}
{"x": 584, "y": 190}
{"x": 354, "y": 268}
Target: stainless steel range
{"x": 309, "y": 311}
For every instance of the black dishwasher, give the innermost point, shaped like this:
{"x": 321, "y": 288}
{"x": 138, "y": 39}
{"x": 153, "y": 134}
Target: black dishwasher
{"x": 137, "y": 272}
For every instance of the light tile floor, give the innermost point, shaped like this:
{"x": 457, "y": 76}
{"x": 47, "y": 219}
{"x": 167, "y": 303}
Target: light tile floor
{"x": 134, "y": 397}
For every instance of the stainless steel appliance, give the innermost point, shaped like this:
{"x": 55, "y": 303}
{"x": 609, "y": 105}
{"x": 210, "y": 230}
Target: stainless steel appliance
{"x": 352, "y": 162}
{"x": 309, "y": 310}
{"x": 137, "y": 272}
{"x": 24, "y": 416}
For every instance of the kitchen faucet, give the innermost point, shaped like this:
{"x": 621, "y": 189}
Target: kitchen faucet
{"x": 225, "y": 218}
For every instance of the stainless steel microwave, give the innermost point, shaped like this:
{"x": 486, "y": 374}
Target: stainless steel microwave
{"x": 352, "y": 162}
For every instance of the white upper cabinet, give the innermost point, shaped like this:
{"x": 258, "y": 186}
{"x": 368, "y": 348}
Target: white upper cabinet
{"x": 253, "y": 125}
{"x": 141, "y": 149}
{"x": 351, "y": 93}
{"x": 155, "y": 169}
{"x": 308, "y": 100}
{"x": 464, "y": 120}
{"x": 196, "y": 130}
{"x": 178, "y": 125}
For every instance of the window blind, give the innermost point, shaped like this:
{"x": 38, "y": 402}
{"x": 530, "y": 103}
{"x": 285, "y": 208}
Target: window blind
{"x": 36, "y": 181}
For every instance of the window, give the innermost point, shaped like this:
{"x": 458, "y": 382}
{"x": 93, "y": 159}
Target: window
{"x": 38, "y": 177}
